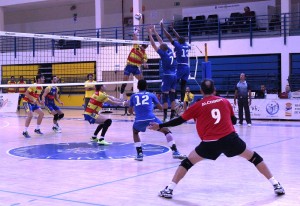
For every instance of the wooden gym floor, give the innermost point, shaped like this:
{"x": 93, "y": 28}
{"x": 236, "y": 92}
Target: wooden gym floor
{"x": 77, "y": 182}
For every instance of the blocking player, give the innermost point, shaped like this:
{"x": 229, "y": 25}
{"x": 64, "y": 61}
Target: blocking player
{"x": 169, "y": 64}
{"x": 182, "y": 57}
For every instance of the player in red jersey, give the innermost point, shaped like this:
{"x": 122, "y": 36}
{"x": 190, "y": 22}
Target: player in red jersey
{"x": 214, "y": 123}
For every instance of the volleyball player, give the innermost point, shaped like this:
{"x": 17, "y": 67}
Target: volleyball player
{"x": 30, "y": 102}
{"x": 135, "y": 59}
{"x": 182, "y": 54}
{"x": 169, "y": 64}
{"x": 49, "y": 96}
{"x": 21, "y": 90}
{"x": 142, "y": 103}
{"x": 214, "y": 123}
{"x": 93, "y": 116}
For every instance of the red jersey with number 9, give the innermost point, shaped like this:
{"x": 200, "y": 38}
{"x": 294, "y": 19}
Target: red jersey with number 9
{"x": 213, "y": 117}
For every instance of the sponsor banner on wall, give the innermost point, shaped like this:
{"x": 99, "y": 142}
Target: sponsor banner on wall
{"x": 272, "y": 109}
{"x": 9, "y": 102}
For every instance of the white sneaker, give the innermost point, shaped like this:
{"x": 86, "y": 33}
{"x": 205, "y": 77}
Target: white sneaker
{"x": 249, "y": 125}
{"x": 238, "y": 124}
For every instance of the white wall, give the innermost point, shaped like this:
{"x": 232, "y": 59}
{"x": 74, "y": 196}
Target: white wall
{"x": 61, "y": 18}
{"x": 108, "y": 60}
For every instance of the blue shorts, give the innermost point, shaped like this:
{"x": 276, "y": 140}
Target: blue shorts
{"x": 141, "y": 126}
{"x": 183, "y": 72}
{"x": 89, "y": 118}
{"x": 30, "y": 107}
{"x": 52, "y": 107}
{"x": 168, "y": 82}
{"x": 131, "y": 69}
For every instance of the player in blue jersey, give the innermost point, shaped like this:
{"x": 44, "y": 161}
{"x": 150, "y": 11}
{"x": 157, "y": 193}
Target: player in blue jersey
{"x": 182, "y": 56}
{"x": 49, "y": 97}
{"x": 143, "y": 103}
{"x": 169, "y": 79}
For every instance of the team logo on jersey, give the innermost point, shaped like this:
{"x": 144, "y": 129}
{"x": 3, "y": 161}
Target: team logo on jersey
{"x": 86, "y": 151}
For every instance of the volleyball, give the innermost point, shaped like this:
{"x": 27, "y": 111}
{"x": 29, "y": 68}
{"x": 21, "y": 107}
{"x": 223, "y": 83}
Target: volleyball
{"x": 138, "y": 16}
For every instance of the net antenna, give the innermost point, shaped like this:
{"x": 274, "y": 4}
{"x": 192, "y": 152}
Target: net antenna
{"x": 195, "y": 52}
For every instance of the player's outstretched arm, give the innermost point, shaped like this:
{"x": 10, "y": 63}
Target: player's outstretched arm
{"x": 172, "y": 123}
{"x": 175, "y": 32}
{"x": 168, "y": 35}
{"x": 151, "y": 39}
{"x": 157, "y": 36}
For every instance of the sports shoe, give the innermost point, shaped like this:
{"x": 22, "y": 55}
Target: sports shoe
{"x": 26, "y": 135}
{"x": 249, "y": 125}
{"x": 139, "y": 157}
{"x": 177, "y": 155}
{"x": 278, "y": 189}
{"x": 94, "y": 139}
{"x": 56, "y": 129}
{"x": 238, "y": 124}
{"x": 103, "y": 142}
{"x": 166, "y": 193}
{"x": 38, "y": 131}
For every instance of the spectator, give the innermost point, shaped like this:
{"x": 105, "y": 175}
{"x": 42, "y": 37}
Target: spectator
{"x": 188, "y": 98}
{"x": 287, "y": 94}
{"x": 262, "y": 93}
{"x": 89, "y": 89}
{"x": 12, "y": 82}
{"x": 249, "y": 17}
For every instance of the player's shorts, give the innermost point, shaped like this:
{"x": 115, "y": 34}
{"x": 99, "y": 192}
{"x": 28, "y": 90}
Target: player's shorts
{"x": 230, "y": 145}
{"x": 183, "y": 72}
{"x": 89, "y": 118}
{"x": 141, "y": 126}
{"x": 131, "y": 69}
{"x": 168, "y": 82}
{"x": 30, "y": 107}
{"x": 51, "y": 107}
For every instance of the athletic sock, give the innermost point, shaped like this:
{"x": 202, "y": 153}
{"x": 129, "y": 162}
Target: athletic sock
{"x": 273, "y": 181}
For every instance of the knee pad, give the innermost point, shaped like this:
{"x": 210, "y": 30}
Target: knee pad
{"x": 165, "y": 97}
{"x": 186, "y": 163}
{"x": 107, "y": 122}
{"x": 256, "y": 159}
{"x": 172, "y": 96}
{"x": 56, "y": 117}
{"x": 60, "y": 116}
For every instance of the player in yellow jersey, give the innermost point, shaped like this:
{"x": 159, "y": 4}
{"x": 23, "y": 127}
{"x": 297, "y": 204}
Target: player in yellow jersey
{"x": 21, "y": 90}
{"x": 12, "y": 82}
{"x": 30, "y": 102}
{"x": 188, "y": 98}
{"x": 93, "y": 116}
{"x": 89, "y": 89}
{"x": 135, "y": 59}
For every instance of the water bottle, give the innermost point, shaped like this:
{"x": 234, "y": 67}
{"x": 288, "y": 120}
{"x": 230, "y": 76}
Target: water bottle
{"x": 265, "y": 94}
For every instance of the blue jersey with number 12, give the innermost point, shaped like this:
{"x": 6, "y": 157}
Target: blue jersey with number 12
{"x": 143, "y": 103}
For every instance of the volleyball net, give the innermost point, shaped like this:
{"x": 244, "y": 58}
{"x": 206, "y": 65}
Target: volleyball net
{"x": 72, "y": 58}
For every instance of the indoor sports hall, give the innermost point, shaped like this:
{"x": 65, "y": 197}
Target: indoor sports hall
{"x": 71, "y": 40}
